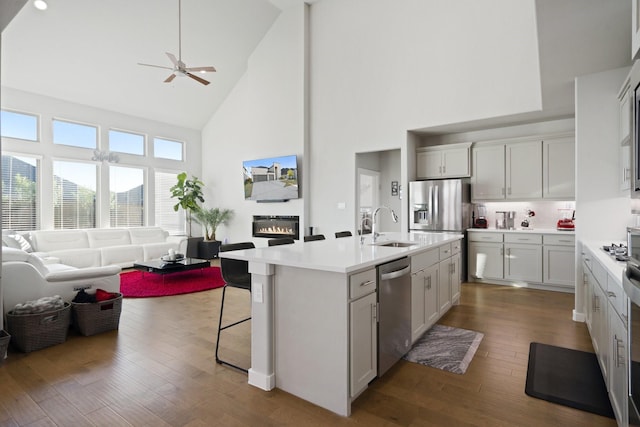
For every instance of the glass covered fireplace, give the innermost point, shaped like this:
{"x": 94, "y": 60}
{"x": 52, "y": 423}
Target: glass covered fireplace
{"x": 273, "y": 226}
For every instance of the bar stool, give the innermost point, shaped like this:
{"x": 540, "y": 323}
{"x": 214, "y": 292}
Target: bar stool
{"x": 236, "y": 275}
{"x": 343, "y": 234}
{"x": 314, "y": 237}
{"x": 281, "y": 241}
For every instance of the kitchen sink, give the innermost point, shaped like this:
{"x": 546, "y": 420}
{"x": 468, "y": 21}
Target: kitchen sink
{"x": 397, "y": 244}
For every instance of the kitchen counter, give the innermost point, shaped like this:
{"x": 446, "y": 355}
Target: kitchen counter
{"x": 343, "y": 255}
{"x": 613, "y": 267}
{"x": 525, "y": 230}
{"x": 313, "y": 303}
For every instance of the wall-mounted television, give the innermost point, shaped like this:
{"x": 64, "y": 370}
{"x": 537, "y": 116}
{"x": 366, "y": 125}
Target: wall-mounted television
{"x": 274, "y": 179}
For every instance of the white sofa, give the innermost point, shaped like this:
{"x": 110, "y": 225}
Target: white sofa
{"x": 26, "y": 277}
{"x": 83, "y": 248}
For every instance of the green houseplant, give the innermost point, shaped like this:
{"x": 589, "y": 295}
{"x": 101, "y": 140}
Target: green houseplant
{"x": 189, "y": 195}
{"x": 210, "y": 219}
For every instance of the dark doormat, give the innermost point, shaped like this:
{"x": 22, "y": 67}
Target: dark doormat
{"x": 567, "y": 377}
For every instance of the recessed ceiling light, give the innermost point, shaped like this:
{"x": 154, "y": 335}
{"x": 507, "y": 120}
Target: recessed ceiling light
{"x": 40, "y": 4}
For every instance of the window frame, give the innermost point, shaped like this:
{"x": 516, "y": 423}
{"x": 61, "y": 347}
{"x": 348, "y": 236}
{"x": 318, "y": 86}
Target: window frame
{"x": 24, "y": 113}
{"x": 77, "y": 123}
{"x": 182, "y": 149}
{"x": 144, "y": 142}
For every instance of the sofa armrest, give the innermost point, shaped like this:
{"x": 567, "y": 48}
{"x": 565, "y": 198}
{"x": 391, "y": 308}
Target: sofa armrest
{"x": 181, "y": 241}
{"x": 83, "y": 273}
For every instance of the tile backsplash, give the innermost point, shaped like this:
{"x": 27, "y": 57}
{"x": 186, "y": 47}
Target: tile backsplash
{"x": 547, "y": 213}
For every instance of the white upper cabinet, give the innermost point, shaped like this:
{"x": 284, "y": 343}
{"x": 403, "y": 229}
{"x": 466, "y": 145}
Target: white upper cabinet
{"x": 524, "y": 170}
{"x": 507, "y": 171}
{"x": 624, "y": 136}
{"x": 443, "y": 161}
{"x": 559, "y": 168}
{"x": 487, "y": 181}
{"x": 537, "y": 169}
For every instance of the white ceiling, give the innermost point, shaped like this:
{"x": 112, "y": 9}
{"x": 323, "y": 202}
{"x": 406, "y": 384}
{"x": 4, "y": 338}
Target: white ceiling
{"x": 86, "y": 51}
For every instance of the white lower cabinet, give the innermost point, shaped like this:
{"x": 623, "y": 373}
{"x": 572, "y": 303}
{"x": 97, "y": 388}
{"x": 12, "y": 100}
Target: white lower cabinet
{"x": 435, "y": 286}
{"x": 618, "y": 380}
{"x": 364, "y": 342}
{"x": 424, "y": 300}
{"x": 543, "y": 260}
{"x": 606, "y": 317}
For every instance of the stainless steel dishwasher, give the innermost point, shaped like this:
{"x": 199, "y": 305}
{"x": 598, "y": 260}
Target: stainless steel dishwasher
{"x": 394, "y": 317}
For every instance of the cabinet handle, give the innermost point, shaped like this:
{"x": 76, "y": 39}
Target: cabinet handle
{"x": 585, "y": 279}
{"x": 596, "y": 303}
{"x": 611, "y": 294}
{"x": 444, "y": 169}
{"x": 428, "y": 280}
{"x": 367, "y": 283}
{"x": 374, "y": 311}
{"x": 564, "y": 241}
{"x": 618, "y": 344}
{"x": 509, "y": 190}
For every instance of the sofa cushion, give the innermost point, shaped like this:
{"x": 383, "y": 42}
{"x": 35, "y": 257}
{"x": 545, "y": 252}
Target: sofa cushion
{"x": 106, "y": 237}
{"x": 142, "y": 235}
{"x": 79, "y": 258}
{"x": 55, "y": 240}
{"x": 124, "y": 256}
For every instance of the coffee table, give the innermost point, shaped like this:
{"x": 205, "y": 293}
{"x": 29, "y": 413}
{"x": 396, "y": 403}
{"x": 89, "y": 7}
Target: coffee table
{"x": 157, "y": 266}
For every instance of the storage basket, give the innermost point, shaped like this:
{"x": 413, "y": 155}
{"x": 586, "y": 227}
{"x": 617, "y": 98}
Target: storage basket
{"x": 96, "y": 317}
{"x": 4, "y": 343}
{"x": 30, "y": 332}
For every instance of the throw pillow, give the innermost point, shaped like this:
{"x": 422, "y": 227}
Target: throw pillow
{"x": 22, "y": 242}
{"x": 10, "y": 242}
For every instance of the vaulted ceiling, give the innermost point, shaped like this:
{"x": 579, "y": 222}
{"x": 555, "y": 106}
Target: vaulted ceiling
{"x": 86, "y": 51}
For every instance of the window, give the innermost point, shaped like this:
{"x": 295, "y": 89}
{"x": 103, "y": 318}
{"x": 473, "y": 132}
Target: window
{"x": 75, "y": 134}
{"x": 126, "y": 142}
{"x": 74, "y": 195}
{"x": 172, "y": 221}
{"x": 126, "y": 190}
{"x": 18, "y": 125}
{"x": 165, "y": 149}
{"x": 20, "y": 192}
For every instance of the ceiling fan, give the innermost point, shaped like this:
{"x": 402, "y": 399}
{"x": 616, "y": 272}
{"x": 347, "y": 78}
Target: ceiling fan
{"x": 179, "y": 68}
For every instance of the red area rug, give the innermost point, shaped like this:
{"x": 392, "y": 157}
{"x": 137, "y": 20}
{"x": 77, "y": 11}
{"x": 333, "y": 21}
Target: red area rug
{"x": 136, "y": 284}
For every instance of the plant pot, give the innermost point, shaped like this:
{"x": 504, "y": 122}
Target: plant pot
{"x": 208, "y": 249}
{"x": 192, "y": 246}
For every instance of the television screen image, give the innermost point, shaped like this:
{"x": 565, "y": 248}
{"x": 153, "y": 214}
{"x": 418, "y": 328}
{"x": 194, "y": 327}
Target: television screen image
{"x": 271, "y": 179}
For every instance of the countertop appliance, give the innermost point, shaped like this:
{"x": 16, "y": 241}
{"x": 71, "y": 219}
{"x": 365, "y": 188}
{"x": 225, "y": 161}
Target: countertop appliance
{"x": 481, "y": 220}
{"x": 505, "y": 220}
{"x": 566, "y": 222}
{"x": 631, "y": 285}
{"x": 442, "y": 205}
{"x": 394, "y": 312}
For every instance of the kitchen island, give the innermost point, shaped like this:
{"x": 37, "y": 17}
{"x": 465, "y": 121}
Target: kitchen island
{"x": 314, "y": 308}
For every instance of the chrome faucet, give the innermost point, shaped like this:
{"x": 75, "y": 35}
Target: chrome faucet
{"x": 374, "y": 231}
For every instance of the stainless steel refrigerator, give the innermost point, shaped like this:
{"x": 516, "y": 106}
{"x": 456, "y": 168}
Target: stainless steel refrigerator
{"x": 441, "y": 205}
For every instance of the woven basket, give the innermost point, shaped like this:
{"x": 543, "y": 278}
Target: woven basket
{"x": 4, "y": 343}
{"x": 30, "y": 332}
{"x": 97, "y": 317}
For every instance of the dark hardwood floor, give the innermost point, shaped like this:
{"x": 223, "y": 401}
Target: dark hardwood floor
{"x": 158, "y": 369}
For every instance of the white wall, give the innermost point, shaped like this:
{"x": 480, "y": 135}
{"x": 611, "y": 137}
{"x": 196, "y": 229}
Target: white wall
{"x": 264, "y": 116}
{"x": 381, "y": 68}
{"x": 603, "y": 209}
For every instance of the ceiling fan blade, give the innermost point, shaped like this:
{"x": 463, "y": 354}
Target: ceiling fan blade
{"x": 201, "y": 69}
{"x": 156, "y": 66}
{"x": 170, "y": 78}
{"x": 173, "y": 59}
{"x": 198, "y": 79}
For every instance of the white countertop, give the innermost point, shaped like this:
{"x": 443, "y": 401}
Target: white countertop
{"x": 525, "y": 230}
{"x": 613, "y": 267}
{"x": 343, "y": 255}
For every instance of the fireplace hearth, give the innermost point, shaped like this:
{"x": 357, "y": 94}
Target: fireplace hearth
{"x": 274, "y": 226}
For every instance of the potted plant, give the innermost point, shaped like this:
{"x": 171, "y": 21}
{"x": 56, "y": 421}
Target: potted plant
{"x": 210, "y": 219}
{"x": 189, "y": 195}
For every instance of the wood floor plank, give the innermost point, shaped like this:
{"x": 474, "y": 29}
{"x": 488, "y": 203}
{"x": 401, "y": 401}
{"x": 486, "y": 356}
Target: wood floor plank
{"x": 158, "y": 369}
